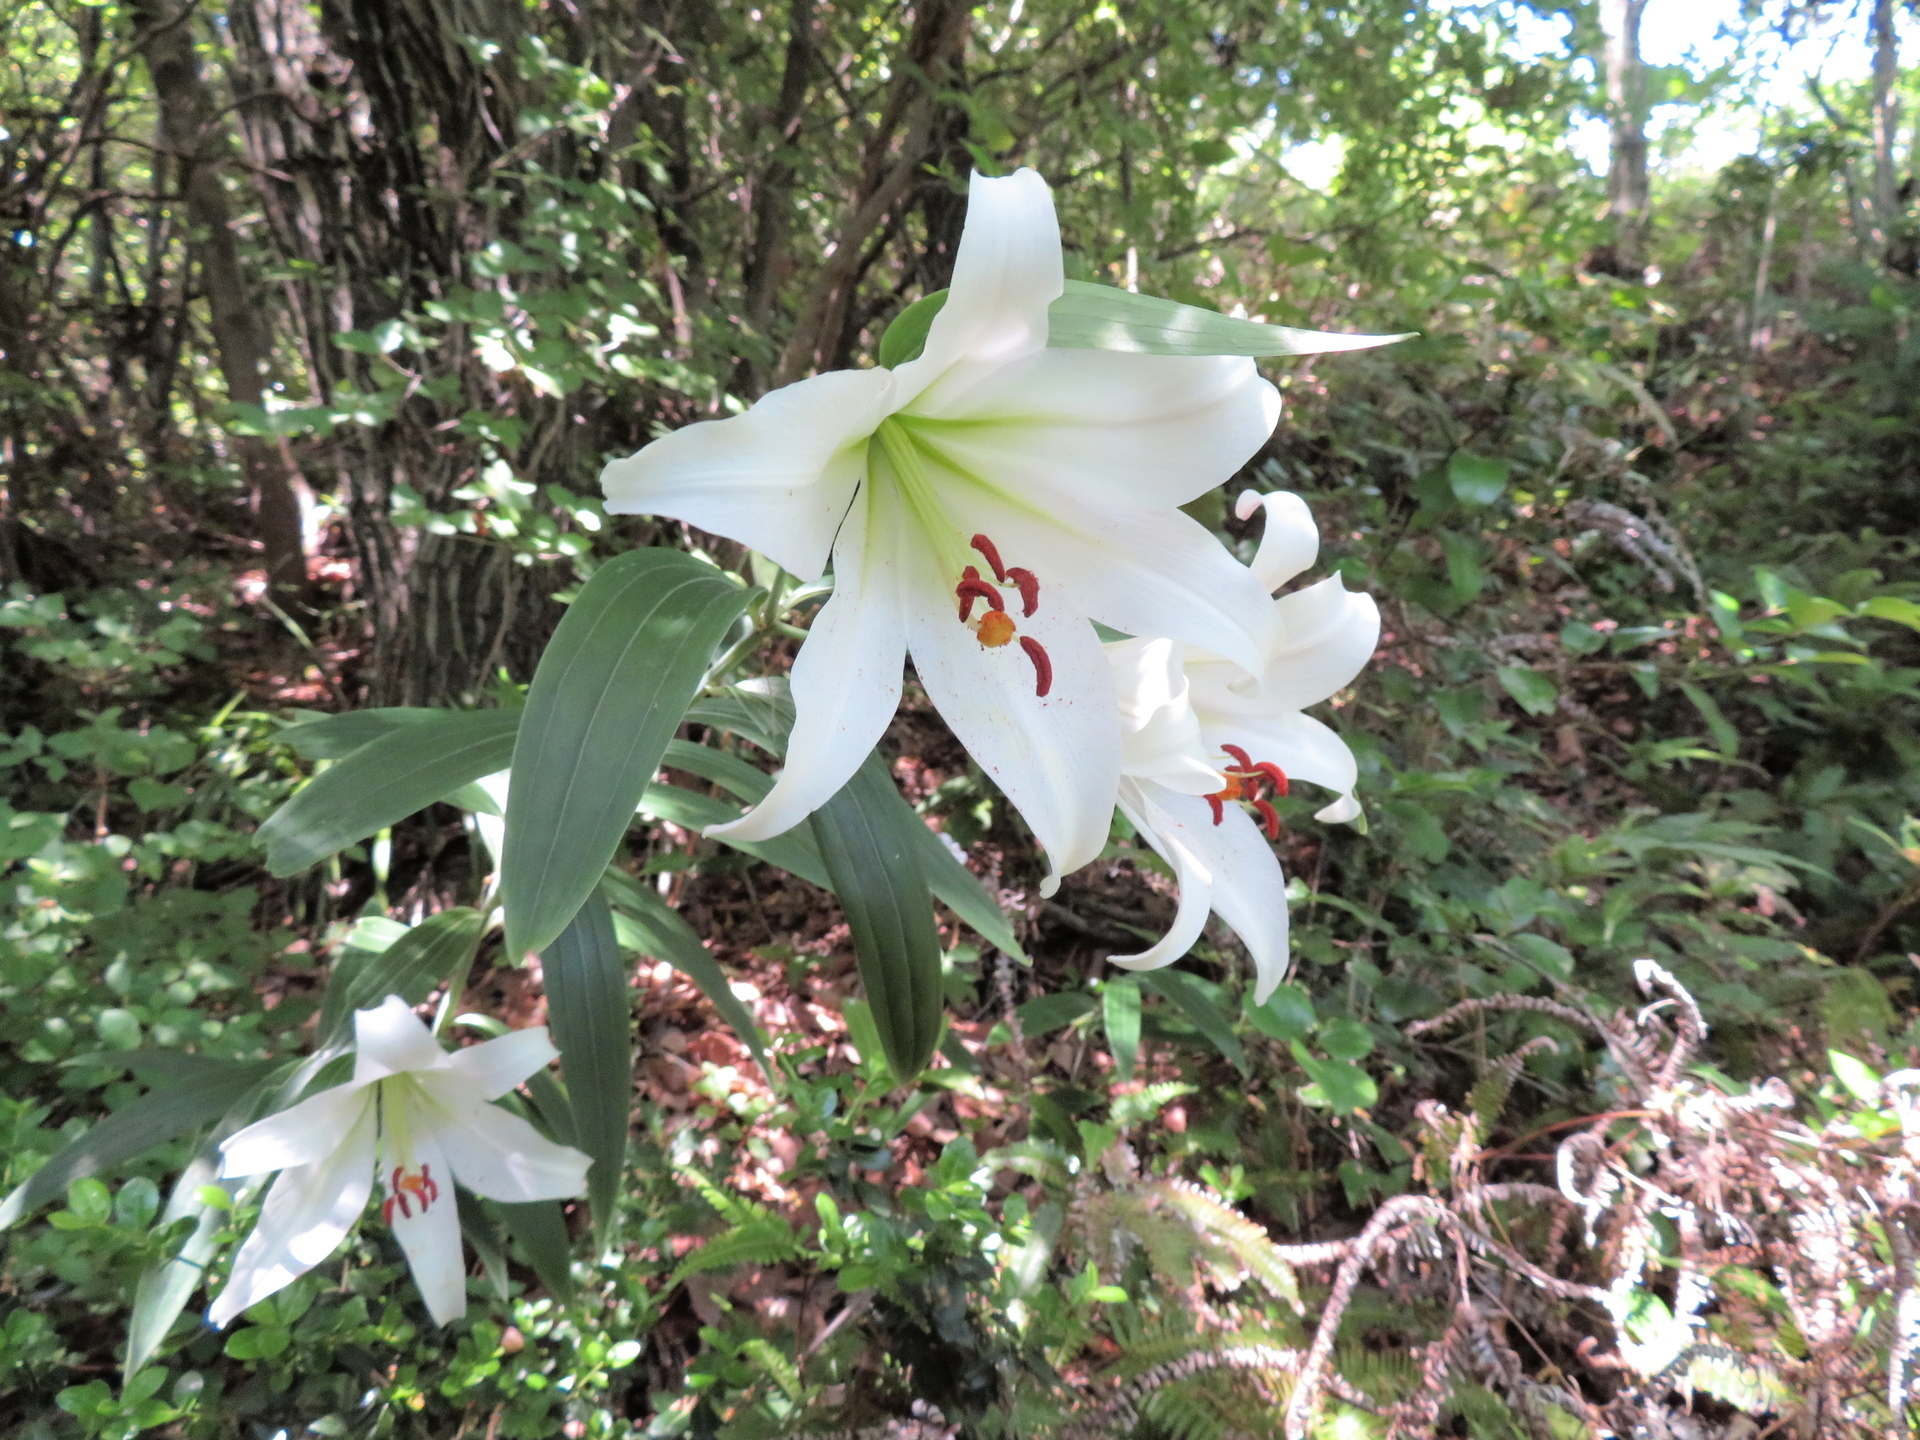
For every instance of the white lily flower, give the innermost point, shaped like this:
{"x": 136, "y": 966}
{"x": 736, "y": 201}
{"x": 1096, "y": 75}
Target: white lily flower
{"x": 423, "y": 1112}
{"x": 1208, "y": 739}
{"x": 981, "y": 504}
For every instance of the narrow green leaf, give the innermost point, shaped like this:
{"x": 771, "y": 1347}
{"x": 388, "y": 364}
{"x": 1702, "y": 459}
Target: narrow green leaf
{"x": 167, "y": 1285}
{"x": 957, "y": 887}
{"x": 1187, "y": 994}
{"x": 1120, "y": 1012}
{"x": 760, "y": 712}
{"x": 906, "y": 334}
{"x": 485, "y": 1233}
{"x": 384, "y": 781}
{"x": 1101, "y": 317}
{"x": 590, "y": 1013}
{"x": 609, "y": 691}
{"x": 766, "y": 720}
{"x": 1044, "y": 1014}
{"x": 539, "y": 1228}
{"x": 1724, "y": 735}
{"x": 431, "y": 953}
{"x": 180, "y": 1105}
{"x": 883, "y": 893}
{"x": 793, "y": 852}
{"x": 647, "y": 925}
{"x": 334, "y": 737}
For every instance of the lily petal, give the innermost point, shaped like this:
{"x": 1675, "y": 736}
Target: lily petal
{"x": 423, "y": 1213}
{"x": 1249, "y": 887}
{"x": 1244, "y": 883}
{"x": 1289, "y": 542}
{"x": 1192, "y": 874}
{"x": 1328, "y": 635}
{"x": 1007, "y": 272}
{"x": 1159, "y": 732}
{"x": 1056, "y": 757}
{"x": 307, "y": 1213}
{"x": 301, "y": 1135}
{"x": 846, "y": 679}
{"x": 1101, "y": 426}
{"x": 493, "y": 1067}
{"x": 390, "y": 1038}
{"x": 777, "y": 478}
{"x": 497, "y": 1154}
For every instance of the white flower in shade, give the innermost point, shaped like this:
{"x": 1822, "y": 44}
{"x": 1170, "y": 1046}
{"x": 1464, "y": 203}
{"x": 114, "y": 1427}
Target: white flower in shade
{"x": 981, "y": 504}
{"x": 1208, "y": 741}
{"x": 419, "y": 1115}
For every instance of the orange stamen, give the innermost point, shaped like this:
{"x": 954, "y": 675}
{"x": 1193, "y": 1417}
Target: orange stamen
{"x": 1042, "y": 664}
{"x": 1240, "y": 756}
{"x": 1219, "y": 810}
{"x": 995, "y": 628}
{"x": 1275, "y": 775}
{"x": 1269, "y": 819}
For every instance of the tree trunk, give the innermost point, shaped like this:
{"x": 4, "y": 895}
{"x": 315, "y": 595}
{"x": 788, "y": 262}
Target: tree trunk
{"x": 1886, "y": 120}
{"x": 192, "y": 131}
{"x": 1627, "y": 199}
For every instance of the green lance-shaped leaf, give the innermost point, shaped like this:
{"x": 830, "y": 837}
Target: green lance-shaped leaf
{"x": 183, "y": 1103}
{"x": 765, "y": 720}
{"x": 793, "y": 852}
{"x": 539, "y": 1228}
{"x": 1100, "y": 317}
{"x": 1120, "y": 1012}
{"x": 406, "y": 769}
{"x": 877, "y": 874}
{"x": 334, "y": 737}
{"x": 647, "y": 925}
{"x": 438, "y": 950}
{"x": 166, "y": 1286}
{"x": 1208, "y": 1018}
{"x": 615, "y": 681}
{"x": 590, "y": 1013}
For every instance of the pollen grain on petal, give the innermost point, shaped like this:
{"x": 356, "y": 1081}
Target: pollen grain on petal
{"x": 995, "y": 629}
{"x": 1029, "y": 584}
{"x": 991, "y": 553}
{"x": 1042, "y": 665}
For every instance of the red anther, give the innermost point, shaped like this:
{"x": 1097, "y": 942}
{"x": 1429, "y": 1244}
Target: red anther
{"x": 1029, "y": 584}
{"x": 1276, "y": 775}
{"x": 396, "y": 1195}
{"x": 991, "y": 553}
{"x": 429, "y": 1187}
{"x": 1241, "y": 756}
{"x": 972, "y": 588}
{"x": 1219, "y": 810}
{"x": 1269, "y": 819}
{"x": 1042, "y": 665}
{"x": 386, "y": 1210}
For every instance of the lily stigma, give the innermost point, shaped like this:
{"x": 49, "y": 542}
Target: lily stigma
{"x": 981, "y": 505}
{"x": 418, "y": 1115}
{"x": 1211, "y": 744}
